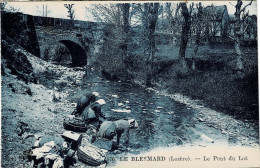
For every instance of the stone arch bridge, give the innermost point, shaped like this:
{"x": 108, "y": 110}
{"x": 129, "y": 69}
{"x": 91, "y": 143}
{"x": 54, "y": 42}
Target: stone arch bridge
{"x": 78, "y": 51}
{"x": 83, "y": 39}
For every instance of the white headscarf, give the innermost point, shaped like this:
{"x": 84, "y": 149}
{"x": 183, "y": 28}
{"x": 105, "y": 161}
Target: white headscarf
{"x": 130, "y": 121}
{"x": 96, "y": 94}
{"x": 101, "y": 101}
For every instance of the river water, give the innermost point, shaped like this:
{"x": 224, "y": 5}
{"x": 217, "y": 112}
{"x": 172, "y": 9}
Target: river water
{"x": 163, "y": 121}
{"x": 159, "y": 117}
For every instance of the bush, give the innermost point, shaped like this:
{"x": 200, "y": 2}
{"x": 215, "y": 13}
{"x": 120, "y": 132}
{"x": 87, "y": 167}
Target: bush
{"x": 16, "y": 61}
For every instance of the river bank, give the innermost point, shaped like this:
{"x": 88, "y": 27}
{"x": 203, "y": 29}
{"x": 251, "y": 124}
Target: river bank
{"x": 214, "y": 81}
{"x": 164, "y": 120}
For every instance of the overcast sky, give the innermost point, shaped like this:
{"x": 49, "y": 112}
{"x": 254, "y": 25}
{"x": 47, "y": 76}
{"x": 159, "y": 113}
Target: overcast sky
{"x": 57, "y": 9}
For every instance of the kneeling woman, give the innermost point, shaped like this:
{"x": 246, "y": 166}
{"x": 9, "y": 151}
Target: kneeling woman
{"x": 109, "y": 129}
{"x": 94, "y": 113}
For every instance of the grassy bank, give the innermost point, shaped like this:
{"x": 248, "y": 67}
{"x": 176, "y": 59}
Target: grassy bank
{"x": 217, "y": 84}
{"x": 214, "y": 81}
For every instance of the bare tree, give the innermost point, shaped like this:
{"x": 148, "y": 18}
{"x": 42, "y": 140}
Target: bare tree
{"x": 117, "y": 16}
{"x": 71, "y": 11}
{"x": 150, "y": 16}
{"x": 184, "y": 37}
{"x": 109, "y": 13}
{"x": 43, "y": 11}
{"x": 7, "y": 7}
{"x": 197, "y": 22}
{"x": 2, "y": 5}
{"x": 173, "y": 20}
{"x": 169, "y": 12}
{"x": 238, "y": 31}
{"x": 126, "y": 26}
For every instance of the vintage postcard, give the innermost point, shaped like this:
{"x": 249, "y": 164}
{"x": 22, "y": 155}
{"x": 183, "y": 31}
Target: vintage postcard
{"x": 129, "y": 84}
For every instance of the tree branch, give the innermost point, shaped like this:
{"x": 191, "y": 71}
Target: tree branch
{"x": 177, "y": 10}
{"x": 246, "y": 6}
{"x": 232, "y": 4}
{"x": 231, "y": 37}
{"x": 245, "y": 29}
{"x": 191, "y": 7}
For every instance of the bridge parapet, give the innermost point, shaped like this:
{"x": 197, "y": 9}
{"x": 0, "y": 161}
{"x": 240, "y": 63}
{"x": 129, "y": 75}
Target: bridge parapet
{"x": 83, "y": 39}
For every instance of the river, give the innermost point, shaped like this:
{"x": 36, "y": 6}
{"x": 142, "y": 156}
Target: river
{"x": 163, "y": 121}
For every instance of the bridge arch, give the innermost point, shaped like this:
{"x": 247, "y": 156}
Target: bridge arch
{"x": 74, "y": 46}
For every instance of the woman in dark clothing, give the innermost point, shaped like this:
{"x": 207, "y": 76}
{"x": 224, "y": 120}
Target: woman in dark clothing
{"x": 94, "y": 113}
{"x": 84, "y": 101}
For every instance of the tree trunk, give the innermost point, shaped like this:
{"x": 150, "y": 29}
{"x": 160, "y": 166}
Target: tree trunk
{"x": 207, "y": 33}
{"x": 198, "y": 32}
{"x": 239, "y": 63}
{"x": 152, "y": 19}
{"x": 70, "y": 11}
{"x": 184, "y": 39}
{"x": 238, "y": 33}
{"x": 126, "y": 26}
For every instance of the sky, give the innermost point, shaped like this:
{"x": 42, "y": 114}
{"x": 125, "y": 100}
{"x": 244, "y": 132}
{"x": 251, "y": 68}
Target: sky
{"x": 57, "y": 9}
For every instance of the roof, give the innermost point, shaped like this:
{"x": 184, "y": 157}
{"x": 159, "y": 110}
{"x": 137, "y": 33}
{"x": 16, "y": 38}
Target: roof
{"x": 216, "y": 10}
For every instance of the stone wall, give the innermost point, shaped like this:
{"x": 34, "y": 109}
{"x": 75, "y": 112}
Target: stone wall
{"x": 22, "y": 31}
{"x": 82, "y": 34}
{"x": 35, "y": 34}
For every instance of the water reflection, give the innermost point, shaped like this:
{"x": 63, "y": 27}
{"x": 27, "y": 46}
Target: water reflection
{"x": 159, "y": 117}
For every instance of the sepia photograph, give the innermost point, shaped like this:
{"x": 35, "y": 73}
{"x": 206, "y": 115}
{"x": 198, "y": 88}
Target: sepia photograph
{"x": 118, "y": 84}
